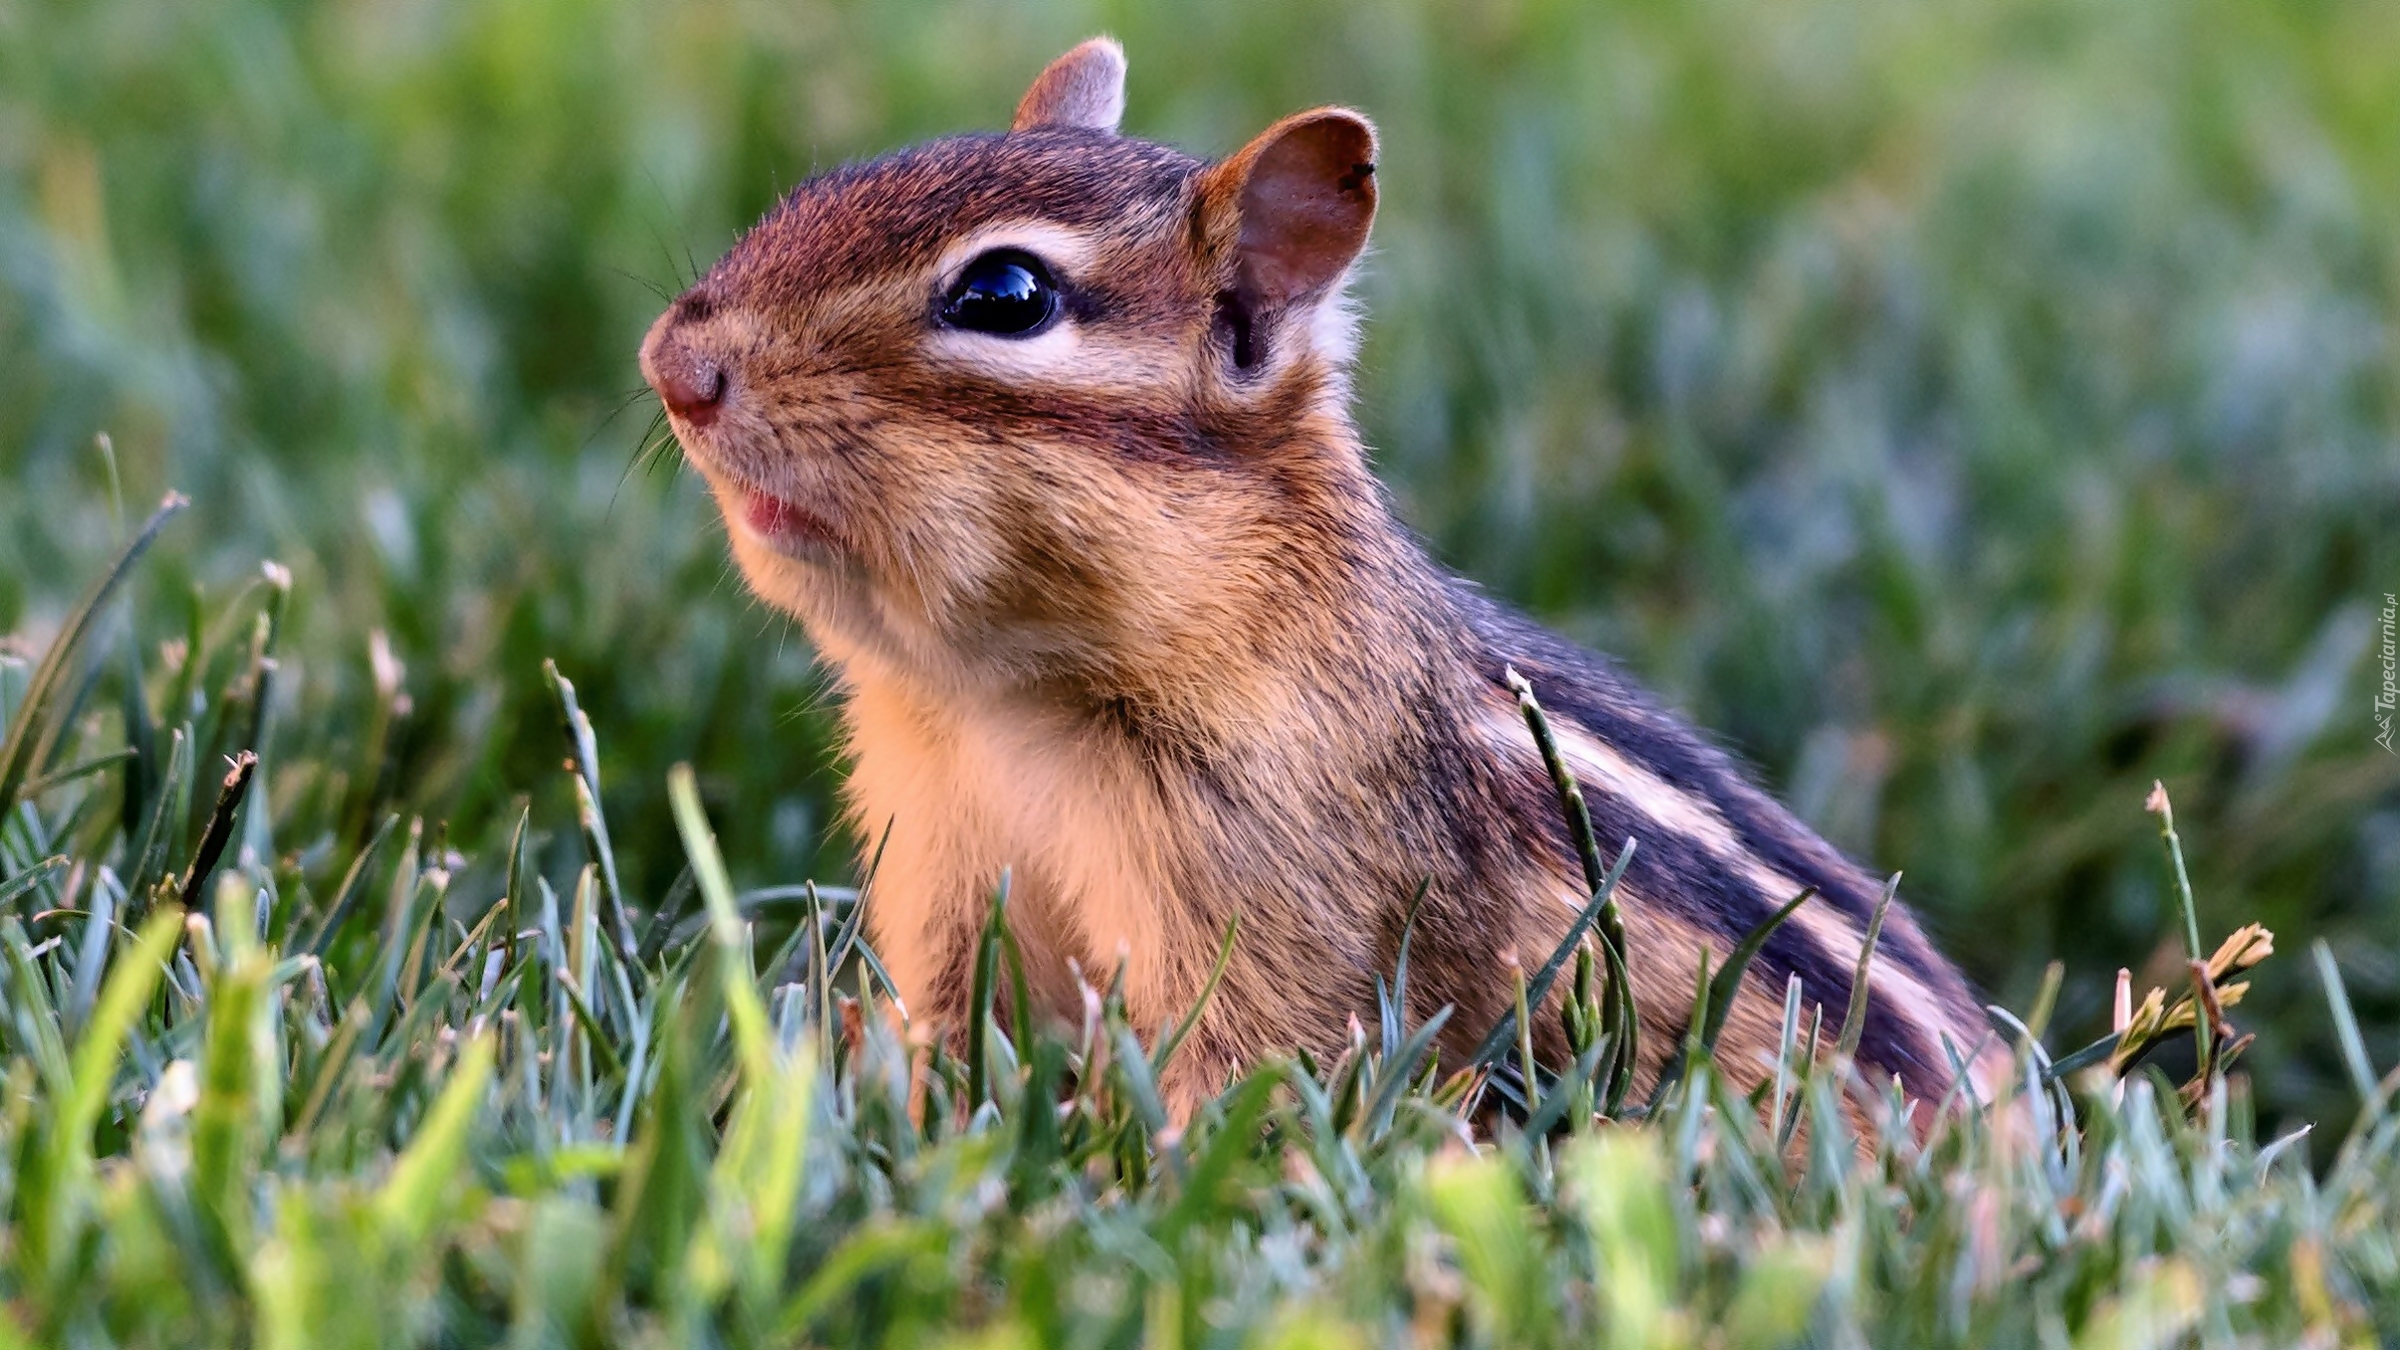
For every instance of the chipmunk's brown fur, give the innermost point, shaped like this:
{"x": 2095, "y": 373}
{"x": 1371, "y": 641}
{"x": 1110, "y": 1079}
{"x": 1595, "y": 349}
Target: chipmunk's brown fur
{"x": 1119, "y": 606}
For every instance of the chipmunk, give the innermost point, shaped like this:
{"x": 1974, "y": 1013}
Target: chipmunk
{"x": 1044, "y": 437}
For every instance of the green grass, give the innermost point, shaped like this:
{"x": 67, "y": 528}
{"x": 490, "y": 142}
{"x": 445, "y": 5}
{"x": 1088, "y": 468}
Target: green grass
{"x": 262, "y": 1092}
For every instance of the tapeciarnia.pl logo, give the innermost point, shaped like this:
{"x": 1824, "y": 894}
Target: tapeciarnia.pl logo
{"x": 2388, "y": 697}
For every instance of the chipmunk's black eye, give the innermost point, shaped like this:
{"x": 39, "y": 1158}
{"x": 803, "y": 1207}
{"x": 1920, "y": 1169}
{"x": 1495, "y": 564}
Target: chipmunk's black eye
{"x": 1006, "y": 291}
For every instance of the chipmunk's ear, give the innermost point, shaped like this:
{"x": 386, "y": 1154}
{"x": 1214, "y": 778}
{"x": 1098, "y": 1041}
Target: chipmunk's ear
{"x": 1084, "y": 88}
{"x": 1298, "y": 201}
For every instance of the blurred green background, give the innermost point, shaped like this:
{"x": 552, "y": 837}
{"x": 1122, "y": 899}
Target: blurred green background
{"x": 1970, "y": 411}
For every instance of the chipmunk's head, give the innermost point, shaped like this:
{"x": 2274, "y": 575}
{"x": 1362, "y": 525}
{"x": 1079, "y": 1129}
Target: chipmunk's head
{"x": 1012, "y": 402}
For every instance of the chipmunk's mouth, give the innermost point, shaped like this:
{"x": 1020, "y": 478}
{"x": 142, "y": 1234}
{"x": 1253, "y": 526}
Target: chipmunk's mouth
{"x": 782, "y": 525}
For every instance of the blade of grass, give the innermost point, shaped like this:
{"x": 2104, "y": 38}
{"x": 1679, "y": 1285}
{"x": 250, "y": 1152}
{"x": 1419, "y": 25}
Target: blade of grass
{"x": 2345, "y": 1027}
{"x": 220, "y": 827}
{"x": 146, "y": 854}
{"x": 1603, "y": 896}
{"x": 1208, "y": 988}
{"x": 345, "y": 896}
{"x": 1395, "y": 1010}
{"x": 980, "y": 996}
{"x": 584, "y": 747}
{"x": 1563, "y": 1094}
{"x": 1229, "y": 1144}
{"x": 34, "y": 730}
{"x": 31, "y": 877}
{"x": 39, "y": 787}
{"x": 91, "y": 956}
{"x": 1397, "y": 1069}
{"x": 2202, "y": 1032}
{"x": 1854, "y": 1018}
{"x": 1620, "y": 1020}
{"x": 1716, "y": 1001}
{"x": 410, "y": 1200}
{"x": 1728, "y": 981}
{"x": 329, "y": 1067}
{"x": 751, "y": 1039}
{"x": 122, "y": 1001}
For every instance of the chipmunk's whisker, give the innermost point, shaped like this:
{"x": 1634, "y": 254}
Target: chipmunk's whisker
{"x": 664, "y": 295}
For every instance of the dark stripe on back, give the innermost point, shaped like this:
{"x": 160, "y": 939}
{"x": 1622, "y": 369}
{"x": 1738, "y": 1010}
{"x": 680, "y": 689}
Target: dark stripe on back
{"x": 1683, "y": 877}
{"x": 1587, "y": 689}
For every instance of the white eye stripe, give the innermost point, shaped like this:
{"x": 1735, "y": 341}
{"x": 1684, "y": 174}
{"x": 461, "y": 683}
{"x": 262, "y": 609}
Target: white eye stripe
{"x": 1062, "y": 356}
{"x": 1066, "y": 251}
{"x": 1054, "y": 351}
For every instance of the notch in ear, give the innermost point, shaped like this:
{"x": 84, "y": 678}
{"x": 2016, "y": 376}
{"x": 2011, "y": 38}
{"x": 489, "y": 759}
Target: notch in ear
{"x": 1297, "y": 202}
{"x": 1084, "y": 88}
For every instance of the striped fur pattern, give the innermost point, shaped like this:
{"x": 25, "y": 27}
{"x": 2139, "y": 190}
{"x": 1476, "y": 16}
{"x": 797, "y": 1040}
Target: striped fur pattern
{"x": 1120, "y": 607}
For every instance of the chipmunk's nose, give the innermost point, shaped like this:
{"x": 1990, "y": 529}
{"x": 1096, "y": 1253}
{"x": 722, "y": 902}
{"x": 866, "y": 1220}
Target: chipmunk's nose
{"x": 688, "y": 380}
{"x": 692, "y": 386}
{"x": 694, "y": 393}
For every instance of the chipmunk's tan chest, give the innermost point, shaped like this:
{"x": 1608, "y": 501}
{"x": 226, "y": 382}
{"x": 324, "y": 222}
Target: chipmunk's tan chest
{"x": 968, "y": 790}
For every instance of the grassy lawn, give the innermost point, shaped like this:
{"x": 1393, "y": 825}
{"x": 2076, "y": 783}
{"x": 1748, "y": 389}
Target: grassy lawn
{"x": 397, "y": 1094}
{"x": 1973, "y": 413}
